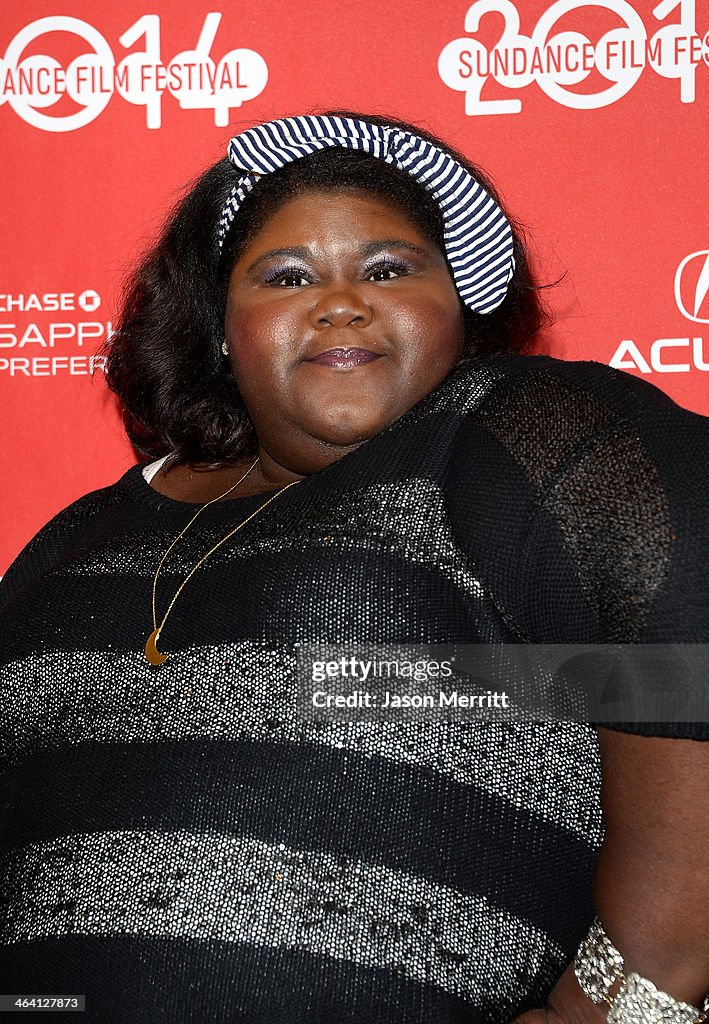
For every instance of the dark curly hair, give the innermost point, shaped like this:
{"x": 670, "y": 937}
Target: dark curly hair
{"x": 165, "y": 362}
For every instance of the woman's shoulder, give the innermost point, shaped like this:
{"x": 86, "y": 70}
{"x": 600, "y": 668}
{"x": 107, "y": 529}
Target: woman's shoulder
{"x": 539, "y": 407}
{"x": 51, "y": 543}
{"x": 619, "y": 476}
{"x": 540, "y": 381}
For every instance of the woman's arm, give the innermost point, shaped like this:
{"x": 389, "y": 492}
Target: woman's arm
{"x": 651, "y": 887}
{"x": 605, "y": 474}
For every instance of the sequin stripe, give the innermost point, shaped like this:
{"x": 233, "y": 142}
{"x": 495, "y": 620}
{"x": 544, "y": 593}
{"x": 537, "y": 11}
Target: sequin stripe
{"x": 56, "y": 539}
{"x": 62, "y": 699}
{"x": 461, "y": 393}
{"x": 215, "y": 886}
{"x": 323, "y": 799}
{"x": 411, "y": 526}
{"x": 214, "y": 982}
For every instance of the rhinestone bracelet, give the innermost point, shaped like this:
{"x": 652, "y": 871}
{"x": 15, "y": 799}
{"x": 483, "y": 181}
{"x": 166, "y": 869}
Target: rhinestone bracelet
{"x": 598, "y": 965}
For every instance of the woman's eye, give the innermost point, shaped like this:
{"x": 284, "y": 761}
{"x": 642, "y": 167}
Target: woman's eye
{"x": 387, "y": 272}
{"x": 287, "y": 279}
{"x": 291, "y": 281}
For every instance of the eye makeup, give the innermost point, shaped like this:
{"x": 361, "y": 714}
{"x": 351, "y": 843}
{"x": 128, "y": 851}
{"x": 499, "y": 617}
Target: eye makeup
{"x": 395, "y": 265}
{"x": 279, "y": 274}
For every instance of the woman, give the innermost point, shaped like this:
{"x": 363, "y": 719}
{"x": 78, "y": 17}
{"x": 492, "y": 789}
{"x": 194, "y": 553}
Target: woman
{"x": 320, "y": 353}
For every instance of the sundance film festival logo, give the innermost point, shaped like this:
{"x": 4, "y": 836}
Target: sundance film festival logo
{"x": 676, "y": 355}
{"x": 572, "y": 64}
{"x": 33, "y": 83}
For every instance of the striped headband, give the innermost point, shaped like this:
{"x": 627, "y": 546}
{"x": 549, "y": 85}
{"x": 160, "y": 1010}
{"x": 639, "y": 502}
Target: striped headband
{"x": 477, "y": 235}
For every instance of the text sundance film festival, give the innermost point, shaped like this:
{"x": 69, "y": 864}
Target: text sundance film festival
{"x": 556, "y": 57}
{"x": 33, "y": 84}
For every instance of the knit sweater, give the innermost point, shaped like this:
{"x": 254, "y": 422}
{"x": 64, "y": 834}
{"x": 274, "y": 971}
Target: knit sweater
{"x": 179, "y": 846}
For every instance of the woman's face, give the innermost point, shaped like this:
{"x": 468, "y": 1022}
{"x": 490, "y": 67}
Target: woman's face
{"x": 341, "y": 315}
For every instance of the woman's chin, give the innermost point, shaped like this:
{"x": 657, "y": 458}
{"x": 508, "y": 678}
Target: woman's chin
{"x": 348, "y": 429}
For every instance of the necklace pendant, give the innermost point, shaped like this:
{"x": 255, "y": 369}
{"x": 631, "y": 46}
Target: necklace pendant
{"x": 154, "y": 656}
{"x": 151, "y": 651}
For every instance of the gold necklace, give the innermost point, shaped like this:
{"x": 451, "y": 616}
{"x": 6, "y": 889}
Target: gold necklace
{"x": 154, "y": 656}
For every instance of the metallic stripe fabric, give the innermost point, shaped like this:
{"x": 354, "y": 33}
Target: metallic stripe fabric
{"x": 244, "y": 890}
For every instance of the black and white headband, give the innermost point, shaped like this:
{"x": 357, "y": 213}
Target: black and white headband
{"x": 477, "y": 235}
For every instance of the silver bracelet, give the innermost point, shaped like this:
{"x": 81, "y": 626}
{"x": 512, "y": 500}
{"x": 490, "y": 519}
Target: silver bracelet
{"x": 598, "y": 965}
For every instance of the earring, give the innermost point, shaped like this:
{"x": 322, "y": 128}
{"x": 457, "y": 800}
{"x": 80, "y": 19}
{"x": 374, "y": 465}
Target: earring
{"x": 225, "y": 348}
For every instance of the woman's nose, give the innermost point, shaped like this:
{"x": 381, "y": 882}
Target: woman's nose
{"x": 341, "y": 305}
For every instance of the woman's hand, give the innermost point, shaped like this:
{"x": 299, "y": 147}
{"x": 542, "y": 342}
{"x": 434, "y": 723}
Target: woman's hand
{"x": 651, "y": 888}
{"x": 567, "y": 1004}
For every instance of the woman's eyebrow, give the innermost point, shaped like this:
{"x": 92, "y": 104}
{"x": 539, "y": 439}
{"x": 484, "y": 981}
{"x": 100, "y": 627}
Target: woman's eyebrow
{"x": 296, "y": 252}
{"x": 370, "y": 248}
{"x": 304, "y": 252}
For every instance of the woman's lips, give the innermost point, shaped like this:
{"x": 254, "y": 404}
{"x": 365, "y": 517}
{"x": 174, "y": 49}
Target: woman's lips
{"x": 344, "y": 358}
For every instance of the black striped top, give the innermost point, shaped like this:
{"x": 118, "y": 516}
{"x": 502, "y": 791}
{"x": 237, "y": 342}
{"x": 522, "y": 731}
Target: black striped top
{"x": 179, "y": 846}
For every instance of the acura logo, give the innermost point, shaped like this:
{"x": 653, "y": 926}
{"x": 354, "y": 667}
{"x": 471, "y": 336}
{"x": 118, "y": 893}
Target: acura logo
{"x": 692, "y": 287}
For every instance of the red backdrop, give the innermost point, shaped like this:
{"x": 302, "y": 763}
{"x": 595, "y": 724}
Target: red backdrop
{"x": 592, "y": 117}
